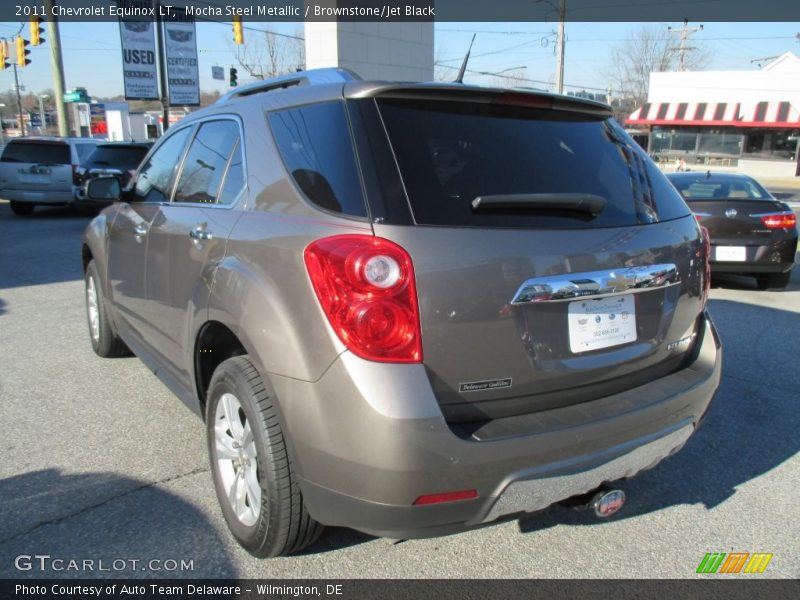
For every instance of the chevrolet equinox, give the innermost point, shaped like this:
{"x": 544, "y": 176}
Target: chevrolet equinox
{"x": 408, "y": 309}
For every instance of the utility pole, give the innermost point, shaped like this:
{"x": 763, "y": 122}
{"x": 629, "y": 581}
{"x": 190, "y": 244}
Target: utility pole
{"x": 19, "y": 102}
{"x": 162, "y": 68}
{"x": 43, "y": 125}
{"x": 57, "y": 66}
{"x": 684, "y": 32}
{"x": 562, "y": 9}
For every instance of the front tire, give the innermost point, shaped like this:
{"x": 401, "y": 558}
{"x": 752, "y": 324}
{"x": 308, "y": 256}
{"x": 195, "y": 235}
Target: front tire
{"x": 774, "y": 281}
{"x": 22, "y": 209}
{"x": 103, "y": 335}
{"x": 253, "y": 475}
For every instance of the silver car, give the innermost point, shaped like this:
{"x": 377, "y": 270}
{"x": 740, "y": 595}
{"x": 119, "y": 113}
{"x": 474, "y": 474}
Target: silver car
{"x": 408, "y": 309}
{"x": 42, "y": 171}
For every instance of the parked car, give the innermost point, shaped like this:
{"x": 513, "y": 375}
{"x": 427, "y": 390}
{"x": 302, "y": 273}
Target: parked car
{"x": 751, "y": 232}
{"x": 119, "y": 159}
{"x": 408, "y": 309}
{"x": 41, "y": 170}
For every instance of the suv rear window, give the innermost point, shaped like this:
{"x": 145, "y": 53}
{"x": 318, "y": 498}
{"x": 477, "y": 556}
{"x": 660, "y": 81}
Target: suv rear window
{"x": 118, "y": 155}
{"x": 45, "y": 153}
{"x": 316, "y": 147}
{"x": 449, "y": 153}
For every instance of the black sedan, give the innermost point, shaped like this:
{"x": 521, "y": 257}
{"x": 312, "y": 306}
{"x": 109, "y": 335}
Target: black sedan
{"x": 120, "y": 159}
{"x": 751, "y": 232}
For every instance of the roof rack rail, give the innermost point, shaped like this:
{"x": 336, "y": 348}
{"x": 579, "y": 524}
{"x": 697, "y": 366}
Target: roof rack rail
{"x": 311, "y": 77}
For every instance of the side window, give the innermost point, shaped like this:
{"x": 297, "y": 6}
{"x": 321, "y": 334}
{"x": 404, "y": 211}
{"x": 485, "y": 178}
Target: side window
{"x": 315, "y": 144}
{"x": 234, "y": 178}
{"x": 153, "y": 182}
{"x": 206, "y": 162}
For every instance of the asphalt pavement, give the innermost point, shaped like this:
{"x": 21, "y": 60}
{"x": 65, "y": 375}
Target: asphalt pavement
{"x": 100, "y": 462}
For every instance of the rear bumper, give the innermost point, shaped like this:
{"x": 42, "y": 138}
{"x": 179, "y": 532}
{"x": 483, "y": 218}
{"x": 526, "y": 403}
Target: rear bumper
{"x": 776, "y": 257}
{"x": 368, "y": 439}
{"x": 38, "y": 196}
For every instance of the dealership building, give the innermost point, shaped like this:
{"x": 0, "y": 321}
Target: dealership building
{"x": 745, "y": 118}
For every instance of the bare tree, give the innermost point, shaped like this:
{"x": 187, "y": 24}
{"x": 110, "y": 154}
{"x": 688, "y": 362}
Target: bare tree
{"x": 268, "y": 53}
{"x": 441, "y": 70}
{"x": 646, "y": 50}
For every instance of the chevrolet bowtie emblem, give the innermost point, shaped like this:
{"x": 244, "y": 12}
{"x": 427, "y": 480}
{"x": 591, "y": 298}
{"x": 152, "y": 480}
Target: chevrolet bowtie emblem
{"x": 619, "y": 282}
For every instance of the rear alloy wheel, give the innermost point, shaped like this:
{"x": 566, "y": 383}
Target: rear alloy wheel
{"x": 774, "y": 281}
{"x": 22, "y": 209}
{"x": 253, "y": 475}
{"x": 105, "y": 341}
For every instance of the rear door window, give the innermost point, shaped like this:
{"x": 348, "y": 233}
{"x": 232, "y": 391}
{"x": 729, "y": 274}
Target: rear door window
{"x": 45, "y": 153}
{"x": 317, "y": 149}
{"x": 449, "y": 153}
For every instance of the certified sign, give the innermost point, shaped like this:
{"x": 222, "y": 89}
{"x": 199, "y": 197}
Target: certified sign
{"x": 138, "y": 54}
{"x": 601, "y": 323}
{"x": 180, "y": 44}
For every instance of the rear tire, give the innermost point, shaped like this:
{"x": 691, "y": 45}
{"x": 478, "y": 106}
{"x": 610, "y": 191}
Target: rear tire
{"x": 253, "y": 474}
{"x": 103, "y": 335}
{"x": 774, "y": 281}
{"x": 22, "y": 209}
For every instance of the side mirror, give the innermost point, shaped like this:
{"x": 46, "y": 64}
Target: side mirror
{"x": 106, "y": 189}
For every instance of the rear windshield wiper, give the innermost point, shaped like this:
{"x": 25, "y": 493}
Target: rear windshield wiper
{"x": 585, "y": 203}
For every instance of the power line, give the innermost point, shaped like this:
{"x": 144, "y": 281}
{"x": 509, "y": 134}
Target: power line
{"x": 529, "y": 80}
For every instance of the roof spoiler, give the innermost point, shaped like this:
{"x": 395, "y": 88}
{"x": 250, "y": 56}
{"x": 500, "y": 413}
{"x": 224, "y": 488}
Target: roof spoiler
{"x": 311, "y": 77}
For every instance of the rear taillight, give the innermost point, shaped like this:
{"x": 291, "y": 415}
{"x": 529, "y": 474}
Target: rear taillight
{"x": 366, "y": 288}
{"x": 783, "y": 220}
{"x": 707, "y": 264}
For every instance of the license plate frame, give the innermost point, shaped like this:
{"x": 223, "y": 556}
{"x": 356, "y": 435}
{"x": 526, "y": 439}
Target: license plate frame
{"x": 598, "y": 323}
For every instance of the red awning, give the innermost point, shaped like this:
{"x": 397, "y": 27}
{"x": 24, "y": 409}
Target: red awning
{"x": 706, "y": 114}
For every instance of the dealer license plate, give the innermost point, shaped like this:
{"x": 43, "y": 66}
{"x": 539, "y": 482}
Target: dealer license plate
{"x": 731, "y": 253}
{"x": 601, "y": 323}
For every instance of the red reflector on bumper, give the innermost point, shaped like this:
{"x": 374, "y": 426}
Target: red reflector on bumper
{"x": 446, "y": 497}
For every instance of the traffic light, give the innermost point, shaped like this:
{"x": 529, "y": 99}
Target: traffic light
{"x": 234, "y": 77}
{"x": 238, "y": 31}
{"x": 36, "y": 31}
{"x": 4, "y": 64}
{"x": 22, "y": 52}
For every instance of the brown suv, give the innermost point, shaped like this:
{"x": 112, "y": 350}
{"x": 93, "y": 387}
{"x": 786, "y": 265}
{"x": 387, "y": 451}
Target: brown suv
{"x": 408, "y": 309}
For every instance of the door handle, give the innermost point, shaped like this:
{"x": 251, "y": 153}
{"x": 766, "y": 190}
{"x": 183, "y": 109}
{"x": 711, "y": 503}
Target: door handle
{"x": 140, "y": 230}
{"x": 200, "y": 234}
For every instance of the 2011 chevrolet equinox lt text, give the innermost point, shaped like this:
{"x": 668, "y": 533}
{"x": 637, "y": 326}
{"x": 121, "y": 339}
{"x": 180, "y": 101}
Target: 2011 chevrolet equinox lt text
{"x": 408, "y": 309}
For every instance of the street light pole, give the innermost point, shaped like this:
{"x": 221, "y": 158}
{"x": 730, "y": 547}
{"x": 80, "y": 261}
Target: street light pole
{"x": 560, "y": 48}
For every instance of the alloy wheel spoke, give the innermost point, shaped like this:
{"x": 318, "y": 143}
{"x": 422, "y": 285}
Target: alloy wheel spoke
{"x": 231, "y": 407}
{"x": 225, "y": 449}
{"x": 253, "y": 489}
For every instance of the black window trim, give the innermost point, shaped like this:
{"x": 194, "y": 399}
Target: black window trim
{"x": 305, "y": 199}
{"x": 174, "y": 184}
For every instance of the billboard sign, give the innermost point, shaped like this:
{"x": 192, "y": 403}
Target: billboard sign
{"x": 138, "y": 53}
